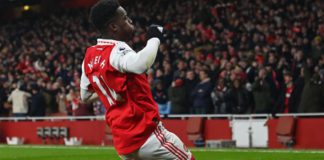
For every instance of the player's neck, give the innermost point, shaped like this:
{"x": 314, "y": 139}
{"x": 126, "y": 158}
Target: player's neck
{"x": 106, "y": 37}
{"x": 109, "y": 36}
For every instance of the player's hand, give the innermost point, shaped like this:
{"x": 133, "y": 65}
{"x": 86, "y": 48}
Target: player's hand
{"x": 155, "y": 31}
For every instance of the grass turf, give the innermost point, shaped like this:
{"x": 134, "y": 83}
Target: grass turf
{"x": 106, "y": 153}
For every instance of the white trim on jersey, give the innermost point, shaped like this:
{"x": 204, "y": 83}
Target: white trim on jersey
{"x": 161, "y": 145}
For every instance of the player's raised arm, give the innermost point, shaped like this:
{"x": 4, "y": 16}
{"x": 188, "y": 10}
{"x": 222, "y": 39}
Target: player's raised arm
{"x": 126, "y": 60}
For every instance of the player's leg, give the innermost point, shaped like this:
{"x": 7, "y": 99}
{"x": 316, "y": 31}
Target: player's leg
{"x": 150, "y": 150}
{"x": 164, "y": 145}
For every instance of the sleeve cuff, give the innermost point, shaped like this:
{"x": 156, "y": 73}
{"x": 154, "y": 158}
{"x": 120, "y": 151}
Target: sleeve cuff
{"x": 154, "y": 40}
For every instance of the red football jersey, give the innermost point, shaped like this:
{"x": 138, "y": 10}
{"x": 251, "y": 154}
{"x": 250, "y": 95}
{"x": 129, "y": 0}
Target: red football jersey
{"x": 132, "y": 114}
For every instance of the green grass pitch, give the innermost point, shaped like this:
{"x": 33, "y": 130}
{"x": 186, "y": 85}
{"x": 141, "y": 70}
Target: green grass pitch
{"x": 29, "y": 152}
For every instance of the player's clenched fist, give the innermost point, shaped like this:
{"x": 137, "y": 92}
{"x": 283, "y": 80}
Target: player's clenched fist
{"x": 155, "y": 31}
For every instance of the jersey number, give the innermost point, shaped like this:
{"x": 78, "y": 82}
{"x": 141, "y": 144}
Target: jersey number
{"x": 103, "y": 91}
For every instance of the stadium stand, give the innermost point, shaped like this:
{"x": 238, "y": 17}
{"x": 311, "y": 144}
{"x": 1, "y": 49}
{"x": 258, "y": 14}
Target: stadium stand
{"x": 246, "y": 47}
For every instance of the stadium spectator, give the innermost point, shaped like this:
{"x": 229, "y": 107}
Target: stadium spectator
{"x": 161, "y": 98}
{"x": 37, "y": 105}
{"x": 98, "y": 108}
{"x": 181, "y": 69}
{"x": 288, "y": 100}
{"x": 317, "y": 48}
{"x": 218, "y": 97}
{"x": 3, "y": 100}
{"x": 83, "y": 109}
{"x": 190, "y": 83}
{"x": 238, "y": 99}
{"x": 167, "y": 74}
{"x": 19, "y": 100}
{"x": 77, "y": 107}
{"x": 177, "y": 95}
{"x": 73, "y": 100}
{"x": 201, "y": 95}
{"x": 261, "y": 89}
{"x": 51, "y": 90}
{"x": 312, "y": 96}
{"x": 62, "y": 101}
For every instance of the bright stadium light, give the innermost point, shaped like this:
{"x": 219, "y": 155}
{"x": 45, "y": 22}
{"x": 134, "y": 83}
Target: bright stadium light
{"x": 26, "y": 7}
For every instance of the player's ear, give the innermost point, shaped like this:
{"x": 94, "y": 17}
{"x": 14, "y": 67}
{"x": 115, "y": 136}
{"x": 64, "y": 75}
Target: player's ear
{"x": 113, "y": 27}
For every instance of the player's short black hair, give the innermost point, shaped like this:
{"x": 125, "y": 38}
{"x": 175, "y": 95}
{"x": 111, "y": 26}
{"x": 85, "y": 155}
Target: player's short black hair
{"x": 103, "y": 12}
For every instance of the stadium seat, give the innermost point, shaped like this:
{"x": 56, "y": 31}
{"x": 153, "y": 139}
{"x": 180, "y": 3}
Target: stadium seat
{"x": 195, "y": 129}
{"x": 48, "y": 133}
{"x": 40, "y": 132}
{"x": 286, "y": 130}
{"x": 64, "y": 132}
{"x": 55, "y": 133}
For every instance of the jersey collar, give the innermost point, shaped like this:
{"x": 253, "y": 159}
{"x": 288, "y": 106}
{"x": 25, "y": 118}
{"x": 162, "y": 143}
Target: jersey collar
{"x": 101, "y": 41}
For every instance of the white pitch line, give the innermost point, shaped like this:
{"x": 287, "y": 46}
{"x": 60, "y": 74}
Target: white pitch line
{"x": 191, "y": 149}
{"x": 259, "y": 151}
{"x": 56, "y": 147}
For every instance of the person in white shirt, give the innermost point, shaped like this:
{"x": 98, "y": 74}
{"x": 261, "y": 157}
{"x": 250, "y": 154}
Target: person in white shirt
{"x": 19, "y": 101}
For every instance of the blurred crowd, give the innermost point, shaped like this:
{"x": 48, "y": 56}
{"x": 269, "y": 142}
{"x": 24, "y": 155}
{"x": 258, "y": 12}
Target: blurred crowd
{"x": 41, "y": 61}
{"x": 217, "y": 57}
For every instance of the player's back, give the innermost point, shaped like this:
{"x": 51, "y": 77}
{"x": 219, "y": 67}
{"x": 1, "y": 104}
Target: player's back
{"x": 131, "y": 113}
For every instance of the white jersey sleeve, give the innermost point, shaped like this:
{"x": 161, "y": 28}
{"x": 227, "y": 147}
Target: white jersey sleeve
{"x": 85, "y": 94}
{"x": 84, "y": 82}
{"x": 125, "y": 59}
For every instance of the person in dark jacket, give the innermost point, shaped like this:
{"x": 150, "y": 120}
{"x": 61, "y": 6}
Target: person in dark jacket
{"x": 37, "y": 107}
{"x": 218, "y": 97}
{"x": 201, "y": 95}
{"x": 238, "y": 98}
{"x": 181, "y": 68}
{"x": 289, "y": 96}
{"x": 177, "y": 95}
{"x": 312, "y": 98}
{"x": 190, "y": 84}
{"x": 161, "y": 98}
{"x": 3, "y": 98}
{"x": 261, "y": 89}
